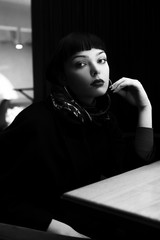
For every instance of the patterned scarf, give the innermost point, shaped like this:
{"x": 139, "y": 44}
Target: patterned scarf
{"x": 63, "y": 100}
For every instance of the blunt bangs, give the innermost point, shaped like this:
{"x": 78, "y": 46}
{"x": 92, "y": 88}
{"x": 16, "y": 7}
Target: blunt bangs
{"x": 77, "y": 42}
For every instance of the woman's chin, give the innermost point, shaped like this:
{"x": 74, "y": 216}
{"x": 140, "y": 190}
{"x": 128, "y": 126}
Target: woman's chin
{"x": 100, "y": 91}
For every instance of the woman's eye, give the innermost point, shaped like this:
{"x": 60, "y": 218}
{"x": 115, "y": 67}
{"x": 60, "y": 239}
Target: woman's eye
{"x": 80, "y": 64}
{"x": 102, "y": 60}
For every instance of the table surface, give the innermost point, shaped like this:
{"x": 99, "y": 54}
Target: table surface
{"x": 134, "y": 194}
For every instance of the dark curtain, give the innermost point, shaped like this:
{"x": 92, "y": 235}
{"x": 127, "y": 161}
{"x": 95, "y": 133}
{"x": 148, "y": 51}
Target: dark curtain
{"x": 130, "y": 29}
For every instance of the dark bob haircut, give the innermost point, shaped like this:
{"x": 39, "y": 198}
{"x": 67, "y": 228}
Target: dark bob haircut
{"x": 67, "y": 47}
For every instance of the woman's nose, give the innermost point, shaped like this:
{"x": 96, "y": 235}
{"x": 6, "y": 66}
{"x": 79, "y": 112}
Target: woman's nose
{"x": 94, "y": 70}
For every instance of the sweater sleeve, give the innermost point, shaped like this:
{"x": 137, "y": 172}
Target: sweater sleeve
{"x": 144, "y": 143}
{"x": 22, "y": 174}
{"x": 27, "y": 215}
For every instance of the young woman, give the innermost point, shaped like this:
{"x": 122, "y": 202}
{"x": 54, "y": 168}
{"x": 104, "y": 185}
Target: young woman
{"x": 70, "y": 139}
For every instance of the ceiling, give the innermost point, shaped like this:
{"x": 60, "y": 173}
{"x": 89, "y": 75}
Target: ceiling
{"x": 24, "y": 2}
{"x": 15, "y": 19}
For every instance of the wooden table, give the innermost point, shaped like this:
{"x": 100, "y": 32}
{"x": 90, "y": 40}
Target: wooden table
{"x": 132, "y": 197}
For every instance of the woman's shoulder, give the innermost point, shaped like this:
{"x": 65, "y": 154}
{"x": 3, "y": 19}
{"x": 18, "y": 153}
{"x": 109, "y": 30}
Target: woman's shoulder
{"x": 35, "y": 113}
{"x": 35, "y": 108}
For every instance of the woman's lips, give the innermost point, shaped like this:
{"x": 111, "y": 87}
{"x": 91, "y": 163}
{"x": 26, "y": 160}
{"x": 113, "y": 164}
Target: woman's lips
{"x": 97, "y": 83}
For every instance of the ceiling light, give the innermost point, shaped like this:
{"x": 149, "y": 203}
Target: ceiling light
{"x": 19, "y": 46}
{"x": 18, "y": 43}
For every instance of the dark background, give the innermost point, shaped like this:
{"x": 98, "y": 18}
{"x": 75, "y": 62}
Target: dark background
{"x": 130, "y": 29}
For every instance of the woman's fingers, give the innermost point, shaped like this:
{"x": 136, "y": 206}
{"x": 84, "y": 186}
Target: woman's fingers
{"x": 122, "y": 83}
{"x": 132, "y": 90}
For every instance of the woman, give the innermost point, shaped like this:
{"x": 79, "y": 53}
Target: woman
{"x": 71, "y": 139}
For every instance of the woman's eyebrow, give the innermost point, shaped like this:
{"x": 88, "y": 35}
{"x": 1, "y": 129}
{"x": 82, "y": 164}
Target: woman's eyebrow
{"x": 85, "y": 56}
{"x": 77, "y": 56}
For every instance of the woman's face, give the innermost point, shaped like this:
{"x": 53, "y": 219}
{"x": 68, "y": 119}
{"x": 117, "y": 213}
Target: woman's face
{"x": 87, "y": 74}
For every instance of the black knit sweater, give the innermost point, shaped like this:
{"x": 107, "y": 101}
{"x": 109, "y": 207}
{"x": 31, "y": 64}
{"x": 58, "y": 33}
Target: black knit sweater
{"x": 47, "y": 152}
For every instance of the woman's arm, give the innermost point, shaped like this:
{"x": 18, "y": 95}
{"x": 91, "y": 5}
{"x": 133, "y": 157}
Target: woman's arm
{"x": 133, "y": 91}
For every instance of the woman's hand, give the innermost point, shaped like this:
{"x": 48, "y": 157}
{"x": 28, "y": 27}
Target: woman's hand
{"x": 61, "y": 228}
{"x": 132, "y": 90}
